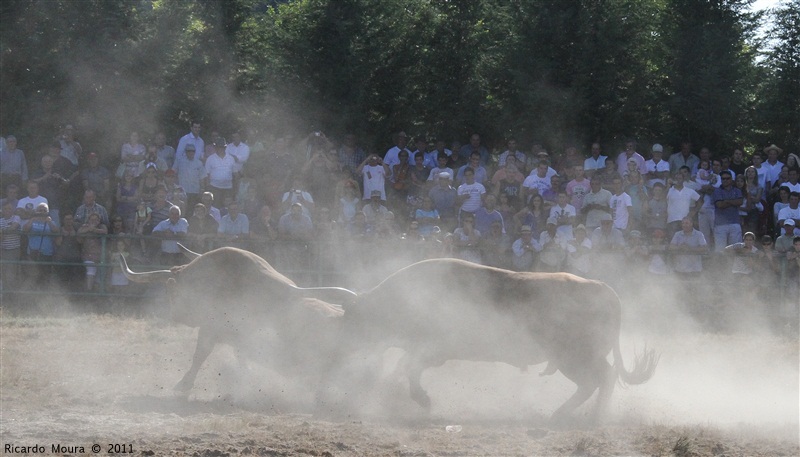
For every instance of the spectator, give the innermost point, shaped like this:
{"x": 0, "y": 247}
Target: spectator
{"x": 91, "y": 246}
{"x": 783, "y": 243}
{"x": 320, "y": 173}
{"x": 374, "y": 172}
{"x": 88, "y": 207}
{"x": 69, "y": 148}
{"x": 13, "y": 165}
{"x": 655, "y": 210}
{"x": 427, "y": 217}
{"x": 745, "y": 258}
{"x": 657, "y": 167}
{"x": 607, "y": 238}
{"x": 444, "y": 198}
{"x": 466, "y": 239}
{"x": 149, "y": 183}
{"x": 202, "y": 228}
{"x": 630, "y": 154}
{"x": 234, "y": 226}
{"x": 772, "y": 166}
{"x": 564, "y": 215}
{"x": 508, "y": 180}
{"x": 432, "y": 157}
{"x": 191, "y": 174}
{"x": 240, "y": 152}
{"x": 151, "y": 157}
{"x": 401, "y": 180}
{"x": 688, "y": 245}
{"x": 128, "y": 196}
{"x": 512, "y": 151}
{"x": 207, "y": 199}
{"x": 578, "y": 188}
{"x": 470, "y": 194}
{"x": 220, "y": 169}
{"x": 392, "y": 156}
{"x": 132, "y": 154}
{"x": 10, "y": 246}
{"x": 481, "y": 176}
{"x": 97, "y": 178}
{"x": 495, "y": 246}
{"x": 534, "y": 214}
{"x": 171, "y": 231}
{"x": 638, "y": 192}
{"x": 681, "y": 202}
{"x": 553, "y": 245}
{"x": 727, "y": 199}
{"x": 595, "y": 162}
{"x": 524, "y": 249}
{"x": 175, "y": 192}
{"x": 12, "y": 195}
{"x": 68, "y": 254}
{"x": 441, "y": 167}
{"x": 29, "y": 203}
{"x": 52, "y": 185}
{"x": 349, "y": 204}
{"x": 474, "y": 146}
{"x": 596, "y": 204}
{"x": 790, "y": 212}
{"x": 350, "y": 155}
{"x": 538, "y": 181}
{"x": 298, "y": 194}
{"x": 579, "y": 249}
{"x": 164, "y": 151}
{"x": 374, "y": 210}
{"x": 684, "y": 157}
{"x": 295, "y": 225}
{"x": 621, "y": 206}
{"x": 419, "y": 178}
{"x": 193, "y": 138}
{"x": 41, "y": 232}
{"x": 486, "y": 215}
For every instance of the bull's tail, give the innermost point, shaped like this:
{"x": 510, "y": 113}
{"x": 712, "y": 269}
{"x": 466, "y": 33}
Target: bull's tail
{"x": 644, "y": 366}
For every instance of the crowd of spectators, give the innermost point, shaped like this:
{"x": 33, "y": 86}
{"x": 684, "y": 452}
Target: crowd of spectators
{"x": 592, "y": 214}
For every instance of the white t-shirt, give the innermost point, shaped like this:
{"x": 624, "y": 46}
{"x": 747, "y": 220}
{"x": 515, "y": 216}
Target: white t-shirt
{"x": 220, "y": 171}
{"x": 374, "y": 179}
{"x": 475, "y": 191}
{"x": 653, "y": 167}
{"x": 619, "y": 210}
{"x": 679, "y": 202}
{"x": 241, "y": 152}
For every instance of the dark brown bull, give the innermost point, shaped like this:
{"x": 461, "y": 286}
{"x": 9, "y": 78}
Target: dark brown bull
{"x": 234, "y": 296}
{"x": 446, "y": 309}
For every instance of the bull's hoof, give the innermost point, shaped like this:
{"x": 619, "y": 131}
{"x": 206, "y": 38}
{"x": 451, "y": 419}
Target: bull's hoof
{"x": 550, "y": 369}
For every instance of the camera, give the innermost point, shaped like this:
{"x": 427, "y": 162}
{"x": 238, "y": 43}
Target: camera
{"x": 317, "y": 133}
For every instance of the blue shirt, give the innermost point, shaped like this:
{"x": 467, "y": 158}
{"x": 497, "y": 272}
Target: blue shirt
{"x": 729, "y": 215}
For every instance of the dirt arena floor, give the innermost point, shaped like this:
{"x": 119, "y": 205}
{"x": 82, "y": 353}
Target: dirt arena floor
{"x": 88, "y": 379}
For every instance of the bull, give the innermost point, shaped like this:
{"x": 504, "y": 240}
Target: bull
{"x": 446, "y": 309}
{"x": 231, "y": 295}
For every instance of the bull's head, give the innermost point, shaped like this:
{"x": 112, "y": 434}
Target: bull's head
{"x": 321, "y": 299}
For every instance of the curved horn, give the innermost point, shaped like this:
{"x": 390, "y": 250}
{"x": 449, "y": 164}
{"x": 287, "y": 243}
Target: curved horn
{"x": 150, "y": 276}
{"x": 191, "y": 255}
{"x": 328, "y": 294}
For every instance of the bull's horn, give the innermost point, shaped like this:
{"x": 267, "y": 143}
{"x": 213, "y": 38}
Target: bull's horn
{"x": 191, "y": 255}
{"x": 150, "y": 276}
{"x": 328, "y": 294}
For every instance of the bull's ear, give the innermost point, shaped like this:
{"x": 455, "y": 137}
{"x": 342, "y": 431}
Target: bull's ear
{"x": 328, "y": 294}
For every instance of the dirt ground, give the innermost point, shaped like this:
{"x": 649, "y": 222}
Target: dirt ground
{"x": 100, "y": 379}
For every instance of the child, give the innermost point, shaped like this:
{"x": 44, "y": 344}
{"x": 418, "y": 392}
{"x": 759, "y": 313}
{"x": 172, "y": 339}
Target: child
{"x": 141, "y": 219}
{"x": 704, "y": 174}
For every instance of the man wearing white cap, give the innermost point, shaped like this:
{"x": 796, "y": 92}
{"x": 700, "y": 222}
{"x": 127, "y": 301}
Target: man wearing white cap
{"x": 657, "y": 167}
{"x": 523, "y": 249}
{"x": 783, "y": 243}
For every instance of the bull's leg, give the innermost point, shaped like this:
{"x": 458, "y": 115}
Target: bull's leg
{"x": 550, "y": 369}
{"x": 609, "y": 379}
{"x": 414, "y": 368}
{"x": 578, "y": 398}
{"x": 205, "y": 344}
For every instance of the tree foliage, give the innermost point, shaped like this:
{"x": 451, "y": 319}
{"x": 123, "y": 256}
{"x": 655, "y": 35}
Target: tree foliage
{"x": 557, "y": 71}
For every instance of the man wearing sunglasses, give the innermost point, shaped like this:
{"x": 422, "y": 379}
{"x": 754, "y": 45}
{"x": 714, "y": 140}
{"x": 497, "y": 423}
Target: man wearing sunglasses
{"x": 727, "y": 199}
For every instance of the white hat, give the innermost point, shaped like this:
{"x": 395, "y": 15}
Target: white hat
{"x": 445, "y": 175}
{"x": 789, "y": 222}
{"x": 658, "y": 148}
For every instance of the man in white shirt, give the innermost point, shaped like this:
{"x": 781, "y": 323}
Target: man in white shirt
{"x": 192, "y": 137}
{"x": 681, "y": 202}
{"x": 596, "y": 162}
{"x": 219, "y": 167}
{"x": 657, "y": 167}
{"x": 469, "y": 195}
{"x": 773, "y": 166}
